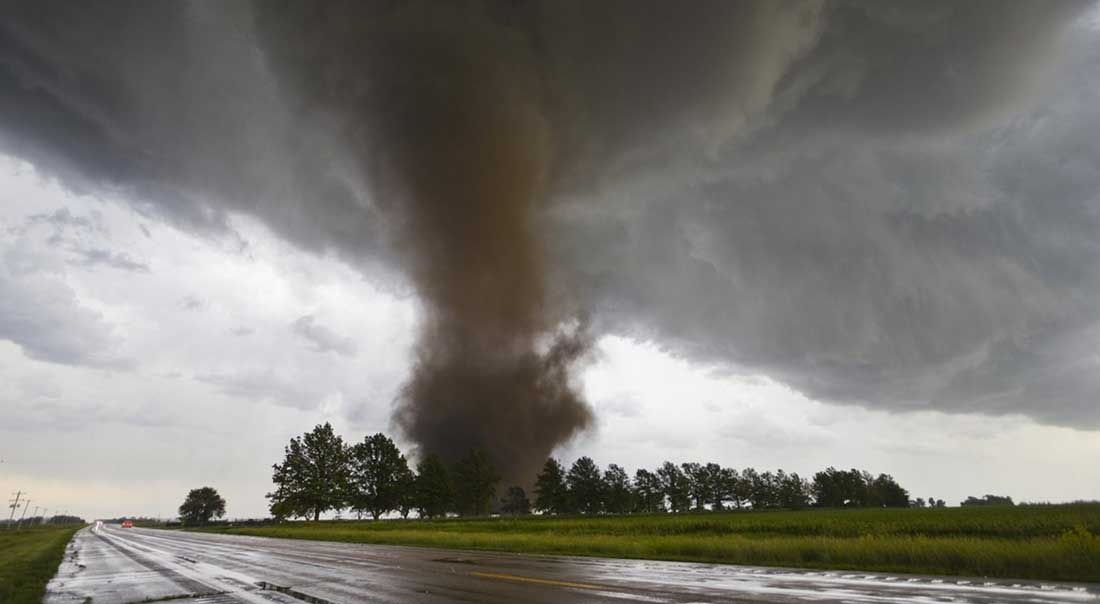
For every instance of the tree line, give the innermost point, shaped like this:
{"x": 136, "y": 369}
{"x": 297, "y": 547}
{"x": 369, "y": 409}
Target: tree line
{"x": 37, "y": 520}
{"x": 321, "y": 473}
{"x": 987, "y": 500}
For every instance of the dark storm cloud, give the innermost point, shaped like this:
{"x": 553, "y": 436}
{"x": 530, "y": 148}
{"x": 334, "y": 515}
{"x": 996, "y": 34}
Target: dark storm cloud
{"x": 171, "y": 106}
{"x": 899, "y": 68}
{"x": 954, "y": 272}
{"x": 858, "y": 198}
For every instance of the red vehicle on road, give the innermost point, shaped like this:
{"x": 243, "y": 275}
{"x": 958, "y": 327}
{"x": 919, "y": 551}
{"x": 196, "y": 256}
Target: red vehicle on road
{"x": 127, "y": 524}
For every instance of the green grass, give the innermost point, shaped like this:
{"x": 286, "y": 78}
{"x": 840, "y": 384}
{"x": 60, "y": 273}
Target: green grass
{"x": 28, "y": 560}
{"x": 1047, "y": 542}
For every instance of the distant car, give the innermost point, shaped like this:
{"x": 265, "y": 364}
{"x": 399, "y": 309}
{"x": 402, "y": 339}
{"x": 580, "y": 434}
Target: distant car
{"x": 127, "y": 524}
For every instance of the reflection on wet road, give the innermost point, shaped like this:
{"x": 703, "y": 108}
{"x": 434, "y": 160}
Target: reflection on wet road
{"x": 122, "y": 566}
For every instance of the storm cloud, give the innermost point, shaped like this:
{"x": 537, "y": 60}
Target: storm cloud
{"x": 321, "y": 338}
{"x": 879, "y": 203}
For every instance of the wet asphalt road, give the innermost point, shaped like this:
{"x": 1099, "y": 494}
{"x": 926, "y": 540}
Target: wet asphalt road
{"x": 122, "y": 566}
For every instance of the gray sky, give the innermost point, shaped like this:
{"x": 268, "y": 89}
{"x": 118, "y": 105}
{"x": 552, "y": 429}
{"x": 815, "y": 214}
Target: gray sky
{"x": 866, "y": 239}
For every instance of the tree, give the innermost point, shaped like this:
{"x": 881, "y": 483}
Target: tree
{"x": 618, "y": 497}
{"x": 675, "y": 486}
{"x": 792, "y": 491}
{"x": 730, "y": 489}
{"x": 761, "y": 488}
{"x": 717, "y": 489}
{"x": 551, "y": 494}
{"x": 742, "y": 488}
{"x": 766, "y": 490}
{"x": 200, "y": 506}
{"x": 515, "y": 502}
{"x": 699, "y": 486}
{"x": 988, "y": 500}
{"x": 585, "y": 486}
{"x": 377, "y": 471}
{"x": 407, "y": 497}
{"x": 313, "y": 477}
{"x": 649, "y": 494}
{"x": 433, "y": 492}
{"x": 855, "y": 488}
{"x": 475, "y": 483}
{"x": 834, "y": 488}
{"x": 886, "y": 492}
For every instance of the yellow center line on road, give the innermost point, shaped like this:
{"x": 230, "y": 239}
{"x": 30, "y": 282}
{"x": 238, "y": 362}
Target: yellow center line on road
{"x": 553, "y": 582}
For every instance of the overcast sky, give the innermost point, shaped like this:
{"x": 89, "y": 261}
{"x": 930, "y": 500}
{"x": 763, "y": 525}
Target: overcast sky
{"x": 870, "y": 238}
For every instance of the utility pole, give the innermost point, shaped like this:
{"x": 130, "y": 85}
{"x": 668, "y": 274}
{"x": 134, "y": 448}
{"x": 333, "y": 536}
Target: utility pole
{"x": 13, "y": 504}
{"x": 45, "y": 512}
{"x": 24, "y": 514}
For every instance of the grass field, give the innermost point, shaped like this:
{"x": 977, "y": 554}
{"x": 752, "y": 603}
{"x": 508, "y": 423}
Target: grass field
{"x": 28, "y": 560}
{"x": 1041, "y": 542}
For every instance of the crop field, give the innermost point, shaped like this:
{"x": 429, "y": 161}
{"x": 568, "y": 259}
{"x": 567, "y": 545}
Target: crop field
{"x": 28, "y": 560}
{"x": 1032, "y": 542}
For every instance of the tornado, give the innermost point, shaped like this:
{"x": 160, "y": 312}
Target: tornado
{"x": 468, "y": 150}
{"x": 446, "y": 109}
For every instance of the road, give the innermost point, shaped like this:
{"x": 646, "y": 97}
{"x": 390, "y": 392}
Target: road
{"x": 123, "y": 566}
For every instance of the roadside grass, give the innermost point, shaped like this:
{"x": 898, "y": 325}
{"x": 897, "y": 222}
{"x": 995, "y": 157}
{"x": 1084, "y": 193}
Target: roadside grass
{"x": 1041, "y": 542}
{"x": 29, "y": 559}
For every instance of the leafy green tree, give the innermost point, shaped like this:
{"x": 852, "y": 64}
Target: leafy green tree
{"x": 855, "y": 488}
{"x": 407, "y": 498}
{"x": 886, "y": 492}
{"x": 377, "y": 472}
{"x": 715, "y": 491}
{"x": 792, "y": 492}
{"x": 585, "y": 486}
{"x": 280, "y": 510}
{"x": 313, "y": 477}
{"x": 750, "y": 485}
{"x": 433, "y": 492}
{"x": 475, "y": 484}
{"x": 743, "y": 487}
{"x": 676, "y": 486}
{"x": 649, "y": 493}
{"x": 729, "y": 488}
{"x": 515, "y": 502}
{"x": 839, "y": 488}
{"x": 699, "y": 486}
{"x": 618, "y": 496}
{"x": 987, "y": 500}
{"x": 551, "y": 494}
{"x": 765, "y": 490}
{"x": 200, "y": 506}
